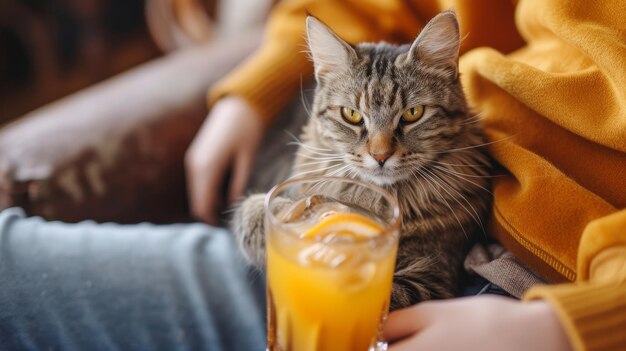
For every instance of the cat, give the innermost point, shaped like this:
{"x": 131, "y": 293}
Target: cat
{"x": 396, "y": 116}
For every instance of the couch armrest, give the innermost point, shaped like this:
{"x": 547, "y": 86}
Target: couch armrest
{"x": 114, "y": 152}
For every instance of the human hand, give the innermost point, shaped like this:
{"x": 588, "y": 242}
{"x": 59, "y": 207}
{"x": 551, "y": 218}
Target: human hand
{"x": 225, "y": 144}
{"x": 476, "y": 323}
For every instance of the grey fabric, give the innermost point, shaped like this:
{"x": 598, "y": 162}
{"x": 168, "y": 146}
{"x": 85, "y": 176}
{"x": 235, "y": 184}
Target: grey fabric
{"x": 125, "y": 287}
{"x": 497, "y": 265}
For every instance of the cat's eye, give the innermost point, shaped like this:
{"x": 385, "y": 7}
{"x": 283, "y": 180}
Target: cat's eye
{"x": 413, "y": 114}
{"x": 351, "y": 116}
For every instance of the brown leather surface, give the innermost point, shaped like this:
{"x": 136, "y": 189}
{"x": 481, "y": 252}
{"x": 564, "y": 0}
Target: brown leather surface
{"x": 114, "y": 152}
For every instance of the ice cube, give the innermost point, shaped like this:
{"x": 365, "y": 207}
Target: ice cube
{"x": 356, "y": 278}
{"x": 323, "y": 210}
{"x": 338, "y": 238}
{"x": 320, "y": 254}
{"x": 326, "y": 214}
{"x": 293, "y": 213}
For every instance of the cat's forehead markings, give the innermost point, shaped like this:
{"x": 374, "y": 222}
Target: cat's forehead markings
{"x": 342, "y": 100}
{"x": 366, "y": 99}
{"x": 357, "y": 98}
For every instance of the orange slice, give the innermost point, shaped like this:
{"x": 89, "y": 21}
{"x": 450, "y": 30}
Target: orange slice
{"x": 350, "y": 224}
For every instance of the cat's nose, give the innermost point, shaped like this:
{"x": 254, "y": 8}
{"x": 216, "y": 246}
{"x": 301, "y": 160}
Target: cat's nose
{"x": 382, "y": 157}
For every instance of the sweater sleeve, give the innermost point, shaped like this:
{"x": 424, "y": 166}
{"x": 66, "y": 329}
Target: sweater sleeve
{"x": 593, "y": 310}
{"x": 273, "y": 75}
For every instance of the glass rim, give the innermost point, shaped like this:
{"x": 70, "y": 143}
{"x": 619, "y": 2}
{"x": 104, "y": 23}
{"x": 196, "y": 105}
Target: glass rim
{"x": 391, "y": 226}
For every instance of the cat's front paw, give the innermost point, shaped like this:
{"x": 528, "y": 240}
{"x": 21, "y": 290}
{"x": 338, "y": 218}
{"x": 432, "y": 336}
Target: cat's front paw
{"x": 405, "y": 294}
{"x": 419, "y": 281}
{"x": 249, "y": 229}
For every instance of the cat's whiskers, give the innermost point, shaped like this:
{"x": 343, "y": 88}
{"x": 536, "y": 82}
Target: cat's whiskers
{"x": 449, "y": 169}
{"x": 321, "y": 154}
{"x": 317, "y": 185}
{"x": 318, "y": 170}
{"x": 297, "y": 141}
{"x": 474, "y": 146}
{"x": 307, "y": 164}
{"x": 338, "y": 171}
{"x": 434, "y": 185}
{"x": 416, "y": 156}
{"x": 459, "y": 176}
{"x": 474, "y": 119}
{"x": 313, "y": 150}
{"x": 484, "y": 168}
{"x": 477, "y": 168}
{"x": 334, "y": 173}
{"x": 474, "y": 216}
{"x": 353, "y": 172}
{"x": 424, "y": 191}
{"x": 321, "y": 158}
{"x": 347, "y": 170}
{"x": 303, "y": 100}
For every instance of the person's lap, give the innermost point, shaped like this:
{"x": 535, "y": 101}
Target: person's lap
{"x": 95, "y": 286}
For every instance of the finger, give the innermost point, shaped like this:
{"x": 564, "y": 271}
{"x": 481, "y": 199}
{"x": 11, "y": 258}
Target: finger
{"x": 408, "y": 344}
{"x": 202, "y": 199}
{"x": 192, "y": 184}
{"x": 209, "y": 197}
{"x": 241, "y": 173}
{"x": 425, "y": 340}
{"x": 403, "y": 323}
{"x": 204, "y": 182}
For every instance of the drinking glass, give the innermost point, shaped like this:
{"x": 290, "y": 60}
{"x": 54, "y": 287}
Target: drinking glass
{"x": 328, "y": 293}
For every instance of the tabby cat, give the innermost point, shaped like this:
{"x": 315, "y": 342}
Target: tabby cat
{"x": 396, "y": 116}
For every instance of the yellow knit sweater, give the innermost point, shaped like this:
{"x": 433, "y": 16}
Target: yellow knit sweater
{"x": 549, "y": 77}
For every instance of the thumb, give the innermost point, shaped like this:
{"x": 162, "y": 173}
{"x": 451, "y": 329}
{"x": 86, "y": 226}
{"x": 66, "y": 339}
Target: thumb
{"x": 242, "y": 167}
{"x": 406, "y": 322}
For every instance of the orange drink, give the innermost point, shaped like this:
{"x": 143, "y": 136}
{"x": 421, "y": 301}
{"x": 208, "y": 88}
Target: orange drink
{"x": 330, "y": 263}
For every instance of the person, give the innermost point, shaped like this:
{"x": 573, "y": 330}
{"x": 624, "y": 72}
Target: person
{"x": 548, "y": 78}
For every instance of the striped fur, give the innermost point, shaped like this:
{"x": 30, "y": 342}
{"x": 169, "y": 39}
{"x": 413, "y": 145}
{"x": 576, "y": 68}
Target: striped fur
{"x": 438, "y": 170}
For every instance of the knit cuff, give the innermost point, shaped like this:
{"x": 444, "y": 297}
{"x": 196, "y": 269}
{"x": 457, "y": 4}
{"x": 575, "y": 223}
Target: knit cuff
{"x": 592, "y": 314}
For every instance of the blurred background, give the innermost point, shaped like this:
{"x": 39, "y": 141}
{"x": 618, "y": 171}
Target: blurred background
{"x": 99, "y": 100}
{"x": 50, "y": 48}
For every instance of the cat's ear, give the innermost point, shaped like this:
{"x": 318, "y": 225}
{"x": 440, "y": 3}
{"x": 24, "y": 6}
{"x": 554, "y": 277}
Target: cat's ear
{"x": 438, "y": 43}
{"x": 328, "y": 52}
